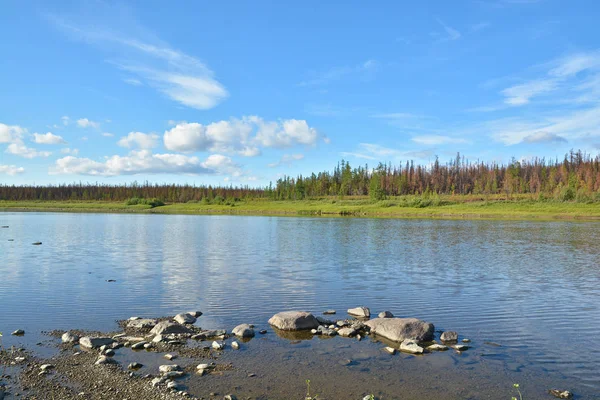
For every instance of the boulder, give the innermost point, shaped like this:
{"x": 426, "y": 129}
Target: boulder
{"x": 409, "y": 346}
{"x": 449, "y": 336}
{"x": 346, "y": 332}
{"x": 18, "y": 332}
{"x": 166, "y": 328}
{"x": 437, "y": 347}
{"x": 185, "y": 318}
{"x": 385, "y": 314}
{"x": 361, "y": 312}
{"x": 243, "y": 331}
{"x": 94, "y": 343}
{"x": 195, "y": 314}
{"x": 68, "y": 337}
{"x": 141, "y": 323}
{"x": 400, "y": 329}
{"x": 294, "y": 321}
{"x": 163, "y": 369}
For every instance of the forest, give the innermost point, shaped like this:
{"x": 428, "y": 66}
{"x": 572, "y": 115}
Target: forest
{"x": 574, "y": 178}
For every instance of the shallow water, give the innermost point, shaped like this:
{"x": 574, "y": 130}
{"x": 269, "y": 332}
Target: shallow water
{"x": 532, "y": 287}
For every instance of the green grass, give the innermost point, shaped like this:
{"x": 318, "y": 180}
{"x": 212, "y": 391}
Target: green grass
{"x": 468, "y": 207}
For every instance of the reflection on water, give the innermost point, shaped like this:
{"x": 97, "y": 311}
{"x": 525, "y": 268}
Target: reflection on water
{"x": 533, "y": 287}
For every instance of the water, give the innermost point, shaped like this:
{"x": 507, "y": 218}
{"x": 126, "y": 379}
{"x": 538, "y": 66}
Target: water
{"x": 533, "y": 287}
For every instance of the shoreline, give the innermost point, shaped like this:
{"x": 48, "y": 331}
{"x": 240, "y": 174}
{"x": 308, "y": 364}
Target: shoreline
{"x": 469, "y": 210}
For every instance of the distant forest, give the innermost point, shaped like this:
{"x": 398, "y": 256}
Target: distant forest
{"x": 576, "y": 177}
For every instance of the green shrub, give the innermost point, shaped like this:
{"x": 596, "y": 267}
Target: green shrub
{"x": 154, "y": 202}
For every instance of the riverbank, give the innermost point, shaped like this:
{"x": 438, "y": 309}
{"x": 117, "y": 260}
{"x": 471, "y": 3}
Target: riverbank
{"x": 460, "y": 207}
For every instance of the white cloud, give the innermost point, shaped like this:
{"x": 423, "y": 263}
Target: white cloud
{"x": 139, "y": 140}
{"x": 432, "y": 140}
{"x": 11, "y": 169}
{"x": 133, "y": 82}
{"x": 287, "y": 159}
{"x": 11, "y": 133}
{"x": 181, "y": 77}
{"x": 107, "y": 134}
{"x": 48, "y": 138}
{"x": 375, "y": 152}
{"x": 544, "y": 137}
{"x": 19, "y": 149}
{"x": 68, "y": 150}
{"x": 521, "y": 94}
{"x": 86, "y": 123}
{"x": 65, "y": 120}
{"x": 144, "y": 162}
{"x": 243, "y": 136}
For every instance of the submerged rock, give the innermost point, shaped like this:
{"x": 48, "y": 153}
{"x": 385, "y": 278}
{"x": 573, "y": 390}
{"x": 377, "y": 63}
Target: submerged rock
{"x": 94, "y": 343}
{"x": 560, "y": 394}
{"x": 185, "y": 318}
{"x": 385, "y": 314}
{"x": 449, "y": 336}
{"x": 243, "y": 331}
{"x": 460, "y": 347}
{"x": 166, "y": 328}
{"x": 400, "y": 329}
{"x": 329, "y": 312}
{"x": 362, "y": 312}
{"x": 294, "y": 321}
{"x": 437, "y": 347}
{"x": 409, "y": 346}
{"x": 18, "y": 332}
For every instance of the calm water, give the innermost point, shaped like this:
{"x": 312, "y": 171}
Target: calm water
{"x": 533, "y": 287}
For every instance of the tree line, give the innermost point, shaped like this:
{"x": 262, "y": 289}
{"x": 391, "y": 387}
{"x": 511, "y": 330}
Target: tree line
{"x": 575, "y": 177}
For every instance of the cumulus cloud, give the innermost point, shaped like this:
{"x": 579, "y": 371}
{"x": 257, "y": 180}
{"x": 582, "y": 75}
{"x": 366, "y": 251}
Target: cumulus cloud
{"x": 86, "y": 123}
{"x": 11, "y": 133}
{"x": 11, "y": 169}
{"x": 242, "y": 136}
{"x": 143, "y": 161}
{"x": 139, "y": 140}
{"x": 19, "y": 149}
{"x": 48, "y": 138}
{"x": 68, "y": 150}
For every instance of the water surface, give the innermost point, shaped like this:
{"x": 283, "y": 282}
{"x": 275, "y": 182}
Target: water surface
{"x": 532, "y": 287}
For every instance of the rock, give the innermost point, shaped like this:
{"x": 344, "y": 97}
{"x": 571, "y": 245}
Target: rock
{"x": 449, "y": 336}
{"x": 342, "y": 323}
{"x": 185, "y": 318}
{"x": 465, "y": 340}
{"x": 262, "y": 331}
{"x": 134, "y": 366}
{"x": 108, "y": 353}
{"x": 314, "y": 331}
{"x": 104, "y": 360}
{"x": 294, "y": 321}
{"x": 174, "y": 374}
{"x": 322, "y": 330}
{"x": 163, "y": 369}
{"x": 329, "y": 312}
{"x": 18, "y": 332}
{"x": 69, "y": 337}
{"x": 460, "y": 347}
{"x": 560, "y": 394}
{"x": 409, "y": 346}
{"x": 170, "y": 356}
{"x": 358, "y": 337}
{"x": 36, "y": 243}
{"x": 385, "y": 314}
{"x": 218, "y": 346}
{"x": 243, "y": 331}
{"x": 399, "y": 329}
{"x": 174, "y": 386}
{"x": 134, "y": 318}
{"x": 138, "y": 345}
{"x": 203, "y": 366}
{"x": 235, "y": 345}
{"x": 46, "y": 367}
{"x": 325, "y": 321}
{"x": 437, "y": 347}
{"x": 142, "y": 323}
{"x": 230, "y": 397}
{"x": 390, "y": 350}
{"x": 94, "y": 343}
{"x": 195, "y": 314}
{"x": 158, "y": 381}
{"x": 362, "y": 312}
{"x": 166, "y": 328}
{"x": 148, "y": 346}
{"x": 346, "y": 332}
{"x": 20, "y": 359}
{"x": 209, "y": 334}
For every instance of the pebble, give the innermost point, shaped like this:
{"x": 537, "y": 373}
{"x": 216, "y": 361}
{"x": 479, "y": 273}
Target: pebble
{"x": 460, "y": 347}
{"x": 19, "y": 332}
{"x": 262, "y": 331}
{"x": 163, "y": 369}
{"x": 46, "y": 367}
{"x": 218, "y": 346}
{"x": 329, "y": 312}
{"x": 134, "y": 366}
{"x": 235, "y": 345}
{"x": 109, "y": 353}
{"x": 466, "y": 340}
{"x": 390, "y": 350}
{"x": 138, "y": 345}
{"x": 170, "y": 356}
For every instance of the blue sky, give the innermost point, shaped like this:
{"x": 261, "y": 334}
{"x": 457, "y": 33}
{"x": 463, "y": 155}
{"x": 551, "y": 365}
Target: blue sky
{"x": 246, "y": 92}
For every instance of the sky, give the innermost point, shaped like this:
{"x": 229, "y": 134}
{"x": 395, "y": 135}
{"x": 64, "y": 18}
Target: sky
{"x": 244, "y": 93}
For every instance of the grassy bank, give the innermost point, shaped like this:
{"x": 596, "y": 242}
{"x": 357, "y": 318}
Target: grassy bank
{"x": 471, "y": 207}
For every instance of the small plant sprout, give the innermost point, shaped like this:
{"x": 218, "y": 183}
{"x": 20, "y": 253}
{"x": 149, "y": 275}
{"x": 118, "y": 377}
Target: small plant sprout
{"x": 308, "y": 396}
{"x": 516, "y": 386}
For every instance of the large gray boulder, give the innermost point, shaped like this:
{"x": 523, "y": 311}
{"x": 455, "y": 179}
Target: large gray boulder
{"x": 243, "y": 331}
{"x": 361, "y": 312}
{"x": 185, "y": 318}
{"x": 449, "y": 336}
{"x": 400, "y": 329}
{"x": 294, "y": 321}
{"x": 167, "y": 328}
{"x": 94, "y": 343}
